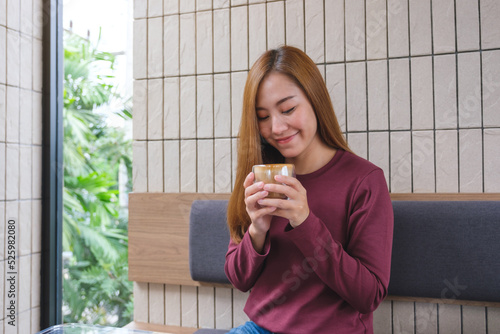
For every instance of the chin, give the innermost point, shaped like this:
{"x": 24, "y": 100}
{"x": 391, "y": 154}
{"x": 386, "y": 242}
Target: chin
{"x": 288, "y": 155}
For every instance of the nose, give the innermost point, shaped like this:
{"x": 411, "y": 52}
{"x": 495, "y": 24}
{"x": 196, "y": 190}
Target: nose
{"x": 279, "y": 125}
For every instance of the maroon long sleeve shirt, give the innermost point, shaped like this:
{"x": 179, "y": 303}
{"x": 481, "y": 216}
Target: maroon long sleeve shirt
{"x": 330, "y": 273}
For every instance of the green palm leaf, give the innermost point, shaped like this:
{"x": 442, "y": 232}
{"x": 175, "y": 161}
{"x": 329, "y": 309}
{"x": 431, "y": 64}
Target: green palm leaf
{"x": 95, "y": 238}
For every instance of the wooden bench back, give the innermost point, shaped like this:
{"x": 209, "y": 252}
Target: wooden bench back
{"x": 159, "y": 235}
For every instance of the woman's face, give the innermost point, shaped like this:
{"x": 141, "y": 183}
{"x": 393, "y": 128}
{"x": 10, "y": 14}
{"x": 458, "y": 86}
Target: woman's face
{"x": 286, "y": 118}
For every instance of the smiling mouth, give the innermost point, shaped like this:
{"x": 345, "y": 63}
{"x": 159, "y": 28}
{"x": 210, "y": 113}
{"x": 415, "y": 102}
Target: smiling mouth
{"x": 285, "y": 140}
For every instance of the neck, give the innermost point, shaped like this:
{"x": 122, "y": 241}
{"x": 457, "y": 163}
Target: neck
{"x": 312, "y": 161}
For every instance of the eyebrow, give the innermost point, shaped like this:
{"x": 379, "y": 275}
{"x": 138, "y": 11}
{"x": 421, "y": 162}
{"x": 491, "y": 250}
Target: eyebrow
{"x": 278, "y": 103}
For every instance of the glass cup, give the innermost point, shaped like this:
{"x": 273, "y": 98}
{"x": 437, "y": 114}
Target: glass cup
{"x": 266, "y": 174}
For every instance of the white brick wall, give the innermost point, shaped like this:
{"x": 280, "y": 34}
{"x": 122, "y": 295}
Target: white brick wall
{"x": 171, "y": 108}
{"x": 21, "y": 153}
{"x": 469, "y": 90}
{"x": 314, "y": 30}
{"x": 187, "y": 46}
{"x": 467, "y": 25}
{"x": 275, "y": 25}
{"x": 399, "y": 94}
{"x": 471, "y": 161}
{"x": 155, "y": 47}
{"x": 447, "y": 163}
{"x": 294, "y": 30}
{"x": 140, "y": 48}
{"x": 204, "y": 60}
{"x": 420, "y": 27}
{"x": 414, "y": 85}
{"x": 356, "y": 97}
{"x": 155, "y": 109}
{"x": 171, "y": 45}
{"x": 222, "y": 61}
{"x": 397, "y": 28}
{"x": 204, "y": 106}
{"x": 239, "y": 38}
{"x": 356, "y": 39}
{"x": 422, "y": 93}
{"x": 188, "y": 107}
{"x": 443, "y": 22}
{"x": 491, "y": 88}
{"x": 445, "y": 92}
{"x": 256, "y": 31}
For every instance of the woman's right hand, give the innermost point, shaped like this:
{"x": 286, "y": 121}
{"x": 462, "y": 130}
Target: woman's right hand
{"x": 259, "y": 215}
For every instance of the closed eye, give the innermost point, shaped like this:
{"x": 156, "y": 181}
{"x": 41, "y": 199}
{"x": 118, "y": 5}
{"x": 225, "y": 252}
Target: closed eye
{"x": 289, "y": 110}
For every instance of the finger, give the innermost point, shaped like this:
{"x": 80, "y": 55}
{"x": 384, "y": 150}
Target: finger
{"x": 251, "y": 202}
{"x": 275, "y": 202}
{"x": 254, "y": 198}
{"x": 249, "y": 180}
{"x": 261, "y": 212}
{"x": 280, "y": 189}
{"x": 254, "y": 188}
{"x": 266, "y": 210}
{"x": 288, "y": 180}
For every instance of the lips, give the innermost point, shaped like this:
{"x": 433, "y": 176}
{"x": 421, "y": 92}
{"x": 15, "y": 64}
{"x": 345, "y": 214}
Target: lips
{"x": 285, "y": 140}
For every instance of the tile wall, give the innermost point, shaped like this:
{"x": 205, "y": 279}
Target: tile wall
{"x": 20, "y": 161}
{"x": 415, "y": 85}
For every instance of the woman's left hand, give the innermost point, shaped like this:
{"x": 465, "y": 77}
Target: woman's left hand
{"x": 295, "y": 208}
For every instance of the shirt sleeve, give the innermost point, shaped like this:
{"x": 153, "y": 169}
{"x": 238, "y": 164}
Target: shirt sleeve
{"x": 243, "y": 264}
{"x": 359, "y": 270}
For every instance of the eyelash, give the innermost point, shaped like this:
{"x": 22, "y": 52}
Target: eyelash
{"x": 286, "y": 112}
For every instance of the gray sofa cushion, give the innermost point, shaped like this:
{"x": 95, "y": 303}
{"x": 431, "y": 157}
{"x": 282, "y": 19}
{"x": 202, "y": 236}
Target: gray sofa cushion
{"x": 440, "y": 249}
{"x": 210, "y": 331}
{"x": 208, "y": 241}
{"x": 446, "y": 250}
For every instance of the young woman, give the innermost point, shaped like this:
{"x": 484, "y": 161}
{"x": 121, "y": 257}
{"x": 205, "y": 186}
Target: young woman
{"x": 319, "y": 261}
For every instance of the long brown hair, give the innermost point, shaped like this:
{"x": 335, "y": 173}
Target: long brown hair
{"x": 252, "y": 150}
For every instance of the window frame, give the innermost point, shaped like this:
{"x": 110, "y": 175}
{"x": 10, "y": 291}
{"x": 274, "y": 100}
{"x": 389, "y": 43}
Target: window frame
{"x": 52, "y": 166}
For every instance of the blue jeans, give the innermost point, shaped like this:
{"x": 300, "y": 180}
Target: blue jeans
{"x": 249, "y": 327}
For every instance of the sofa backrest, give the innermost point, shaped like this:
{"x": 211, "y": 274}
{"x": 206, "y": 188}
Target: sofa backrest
{"x": 446, "y": 250}
{"x": 441, "y": 249}
{"x": 208, "y": 241}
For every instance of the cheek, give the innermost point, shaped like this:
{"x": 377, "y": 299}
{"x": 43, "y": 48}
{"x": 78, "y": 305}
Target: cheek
{"x": 309, "y": 121}
{"x": 264, "y": 130}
